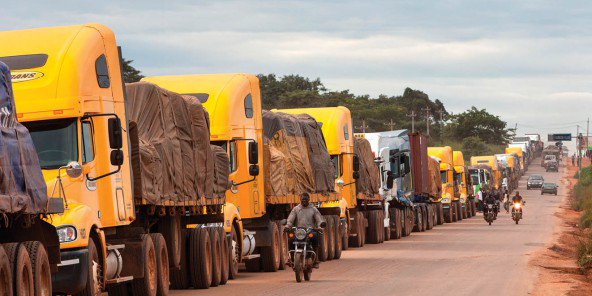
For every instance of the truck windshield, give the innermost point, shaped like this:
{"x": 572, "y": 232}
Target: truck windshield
{"x": 56, "y": 141}
{"x": 475, "y": 177}
{"x": 444, "y": 176}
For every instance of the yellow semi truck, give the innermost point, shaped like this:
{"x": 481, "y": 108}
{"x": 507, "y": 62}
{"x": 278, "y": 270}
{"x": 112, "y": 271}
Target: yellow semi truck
{"x": 492, "y": 162}
{"x": 71, "y": 96}
{"x": 450, "y": 191}
{"x": 252, "y": 218}
{"x": 520, "y": 159}
{"x": 461, "y": 178}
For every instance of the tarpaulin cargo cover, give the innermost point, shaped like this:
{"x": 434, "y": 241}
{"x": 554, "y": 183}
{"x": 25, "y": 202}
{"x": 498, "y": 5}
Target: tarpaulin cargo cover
{"x": 295, "y": 158}
{"x": 435, "y": 182}
{"x": 173, "y": 162}
{"x": 368, "y": 184}
{"x": 418, "y": 145}
{"x": 22, "y": 188}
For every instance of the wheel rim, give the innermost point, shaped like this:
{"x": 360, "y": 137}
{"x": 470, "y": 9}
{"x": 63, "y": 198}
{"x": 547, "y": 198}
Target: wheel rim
{"x": 235, "y": 251}
{"x": 277, "y": 249}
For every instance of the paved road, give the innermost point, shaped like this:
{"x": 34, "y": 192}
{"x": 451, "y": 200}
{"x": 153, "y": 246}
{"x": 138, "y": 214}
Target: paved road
{"x": 464, "y": 258}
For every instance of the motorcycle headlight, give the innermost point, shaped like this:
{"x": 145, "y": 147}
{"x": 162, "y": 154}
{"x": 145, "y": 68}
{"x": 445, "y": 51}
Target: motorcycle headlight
{"x": 490, "y": 206}
{"x": 300, "y": 233}
{"x": 517, "y": 205}
{"x": 67, "y": 234}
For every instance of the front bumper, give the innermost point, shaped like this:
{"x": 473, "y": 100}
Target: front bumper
{"x": 534, "y": 185}
{"x": 72, "y": 272}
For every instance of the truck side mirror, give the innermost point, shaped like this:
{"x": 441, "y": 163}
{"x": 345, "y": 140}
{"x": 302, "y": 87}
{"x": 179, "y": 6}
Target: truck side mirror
{"x": 254, "y": 170}
{"x": 253, "y": 154}
{"x": 115, "y": 135}
{"x": 323, "y": 224}
{"x": 356, "y": 164}
{"x": 116, "y": 157}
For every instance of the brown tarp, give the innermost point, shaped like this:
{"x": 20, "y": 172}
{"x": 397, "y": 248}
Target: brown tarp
{"x": 295, "y": 156}
{"x": 221, "y": 171}
{"x": 368, "y": 183}
{"x": 22, "y": 187}
{"x": 171, "y": 155}
{"x": 434, "y": 180}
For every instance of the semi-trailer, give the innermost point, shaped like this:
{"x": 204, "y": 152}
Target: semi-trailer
{"x": 496, "y": 169}
{"x": 143, "y": 191}
{"x": 29, "y": 245}
{"x": 255, "y": 204}
{"x": 509, "y": 170}
{"x": 450, "y": 198}
{"x": 521, "y": 166}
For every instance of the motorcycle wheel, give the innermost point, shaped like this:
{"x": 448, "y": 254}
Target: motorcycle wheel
{"x": 298, "y": 267}
{"x": 517, "y": 221}
{"x": 489, "y": 223}
{"x": 307, "y": 274}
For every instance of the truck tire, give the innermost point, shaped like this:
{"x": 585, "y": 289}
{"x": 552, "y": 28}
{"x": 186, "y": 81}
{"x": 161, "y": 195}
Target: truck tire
{"x": 439, "y": 213}
{"x": 417, "y": 227}
{"x": 216, "y": 251}
{"x": 454, "y": 212}
{"x": 449, "y": 213}
{"x": 345, "y": 235}
{"x": 459, "y": 211}
{"x": 383, "y": 229}
{"x": 225, "y": 256}
{"x": 429, "y": 217}
{"x": 22, "y": 271}
{"x": 200, "y": 258}
{"x": 5, "y": 274}
{"x": 323, "y": 242}
{"x": 424, "y": 218}
{"x": 148, "y": 284}
{"x": 270, "y": 256}
{"x": 162, "y": 264}
{"x": 330, "y": 237}
{"x": 180, "y": 277}
{"x": 93, "y": 283}
{"x": 170, "y": 227}
{"x": 357, "y": 240}
{"x": 398, "y": 223}
{"x": 371, "y": 229}
{"x": 283, "y": 240}
{"x": 40, "y": 267}
{"x": 338, "y": 237}
{"x": 235, "y": 252}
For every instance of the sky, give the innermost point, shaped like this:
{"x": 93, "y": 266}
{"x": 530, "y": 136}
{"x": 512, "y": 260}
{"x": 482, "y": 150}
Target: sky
{"x": 530, "y": 62}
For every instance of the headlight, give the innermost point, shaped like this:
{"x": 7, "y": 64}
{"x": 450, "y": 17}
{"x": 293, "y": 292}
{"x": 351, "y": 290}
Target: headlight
{"x": 67, "y": 234}
{"x": 300, "y": 233}
{"x": 446, "y": 200}
{"x": 517, "y": 205}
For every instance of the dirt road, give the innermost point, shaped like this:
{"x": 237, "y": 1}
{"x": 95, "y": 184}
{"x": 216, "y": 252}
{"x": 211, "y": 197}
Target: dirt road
{"x": 464, "y": 258}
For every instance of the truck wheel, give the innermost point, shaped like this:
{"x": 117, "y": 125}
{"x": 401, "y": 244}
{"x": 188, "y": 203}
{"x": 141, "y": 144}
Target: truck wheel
{"x": 448, "y": 213}
{"x": 337, "y": 237}
{"x": 330, "y": 237}
{"x": 162, "y": 264}
{"x": 235, "y": 252}
{"x": 356, "y": 241}
{"x": 216, "y": 251}
{"x": 474, "y": 208}
{"x": 180, "y": 277}
{"x": 148, "y": 284}
{"x": 170, "y": 227}
{"x": 283, "y": 241}
{"x": 345, "y": 235}
{"x": 41, "y": 268}
{"x": 385, "y": 233}
{"x": 398, "y": 223}
{"x": 200, "y": 258}
{"x": 270, "y": 256}
{"x": 440, "y": 213}
{"x": 5, "y": 274}
{"x": 371, "y": 229}
{"x": 418, "y": 219}
{"x": 225, "y": 256}
{"x": 454, "y": 211}
{"x": 93, "y": 282}
{"x": 430, "y": 217}
{"x": 323, "y": 242}
{"x": 20, "y": 264}
{"x": 459, "y": 214}
{"x": 424, "y": 217}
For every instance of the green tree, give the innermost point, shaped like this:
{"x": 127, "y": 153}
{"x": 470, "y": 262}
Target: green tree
{"x": 474, "y": 146}
{"x": 130, "y": 74}
{"x": 480, "y": 123}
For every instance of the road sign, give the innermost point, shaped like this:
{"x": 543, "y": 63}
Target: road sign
{"x": 559, "y": 137}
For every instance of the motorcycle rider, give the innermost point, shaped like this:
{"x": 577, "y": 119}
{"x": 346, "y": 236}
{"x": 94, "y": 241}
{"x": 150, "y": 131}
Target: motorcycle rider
{"x": 488, "y": 199}
{"x": 306, "y": 215}
{"x": 517, "y": 198}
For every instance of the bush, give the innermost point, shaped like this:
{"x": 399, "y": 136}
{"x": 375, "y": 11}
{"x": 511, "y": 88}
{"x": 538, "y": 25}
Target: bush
{"x": 584, "y": 252}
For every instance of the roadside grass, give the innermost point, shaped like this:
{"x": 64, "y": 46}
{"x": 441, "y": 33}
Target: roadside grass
{"x": 582, "y": 201}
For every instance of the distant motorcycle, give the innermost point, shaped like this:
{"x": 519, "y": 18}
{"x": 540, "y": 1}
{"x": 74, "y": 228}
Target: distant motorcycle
{"x": 517, "y": 212}
{"x": 489, "y": 213}
{"x": 302, "y": 255}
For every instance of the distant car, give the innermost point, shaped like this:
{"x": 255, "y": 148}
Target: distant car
{"x": 534, "y": 181}
{"x": 552, "y": 167}
{"x": 549, "y": 188}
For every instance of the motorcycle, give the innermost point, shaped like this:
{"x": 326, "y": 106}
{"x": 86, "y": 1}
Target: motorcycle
{"x": 489, "y": 213}
{"x": 302, "y": 255}
{"x": 517, "y": 212}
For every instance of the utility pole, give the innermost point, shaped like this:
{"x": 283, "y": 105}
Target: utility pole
{"x": 412, "y": 115}
{"x": 391, "y": 124}
{"x": 427, "y": 111}
{"x": 363, "y": 126}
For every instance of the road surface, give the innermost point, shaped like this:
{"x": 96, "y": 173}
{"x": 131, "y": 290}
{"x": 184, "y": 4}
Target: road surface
{"x": 463, "y": 258}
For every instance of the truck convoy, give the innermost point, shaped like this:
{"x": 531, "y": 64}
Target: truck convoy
{"x": 134, "y": 171}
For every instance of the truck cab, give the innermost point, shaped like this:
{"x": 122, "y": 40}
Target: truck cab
{"x": 450, "y": 191}
{"x": 496, "y": 170}
{"x": 461, "y": 180}
{"x": 69, "y": 94}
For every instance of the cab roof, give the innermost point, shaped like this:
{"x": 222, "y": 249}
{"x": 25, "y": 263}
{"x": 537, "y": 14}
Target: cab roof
{"x": 335, "y": 124}
{"x": 443, "y": 153}
{"x": 223, "y": 95}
